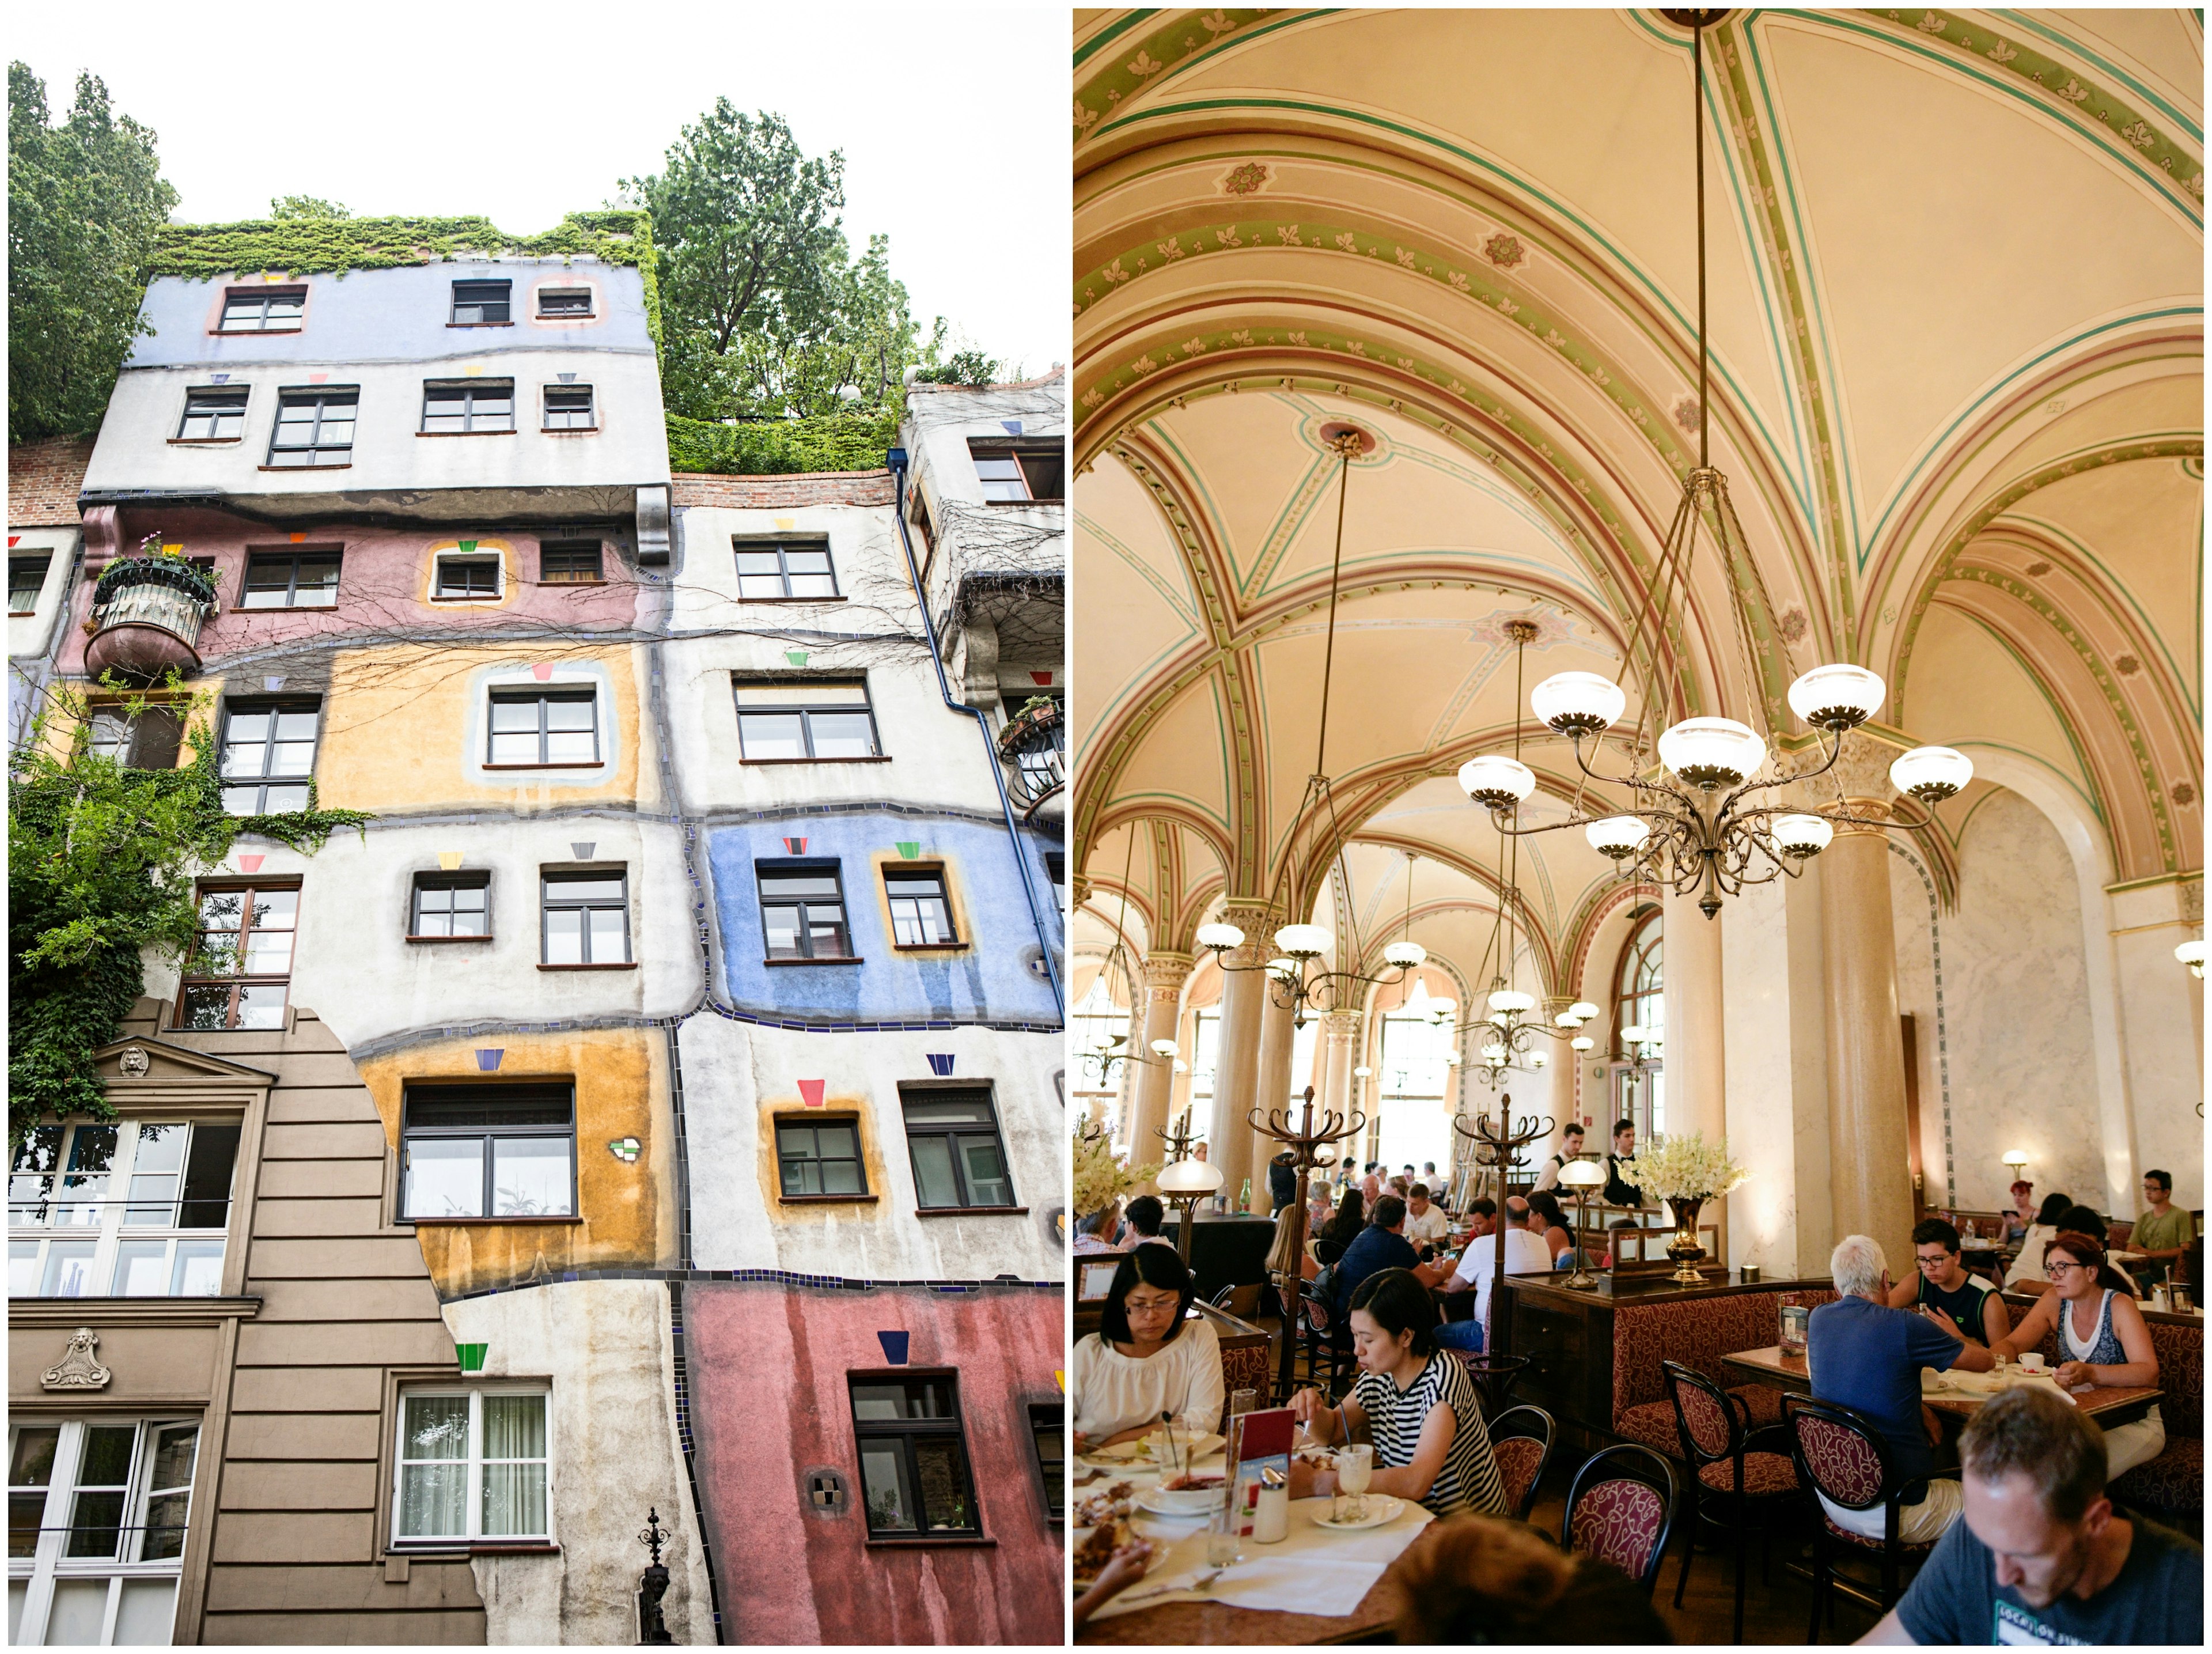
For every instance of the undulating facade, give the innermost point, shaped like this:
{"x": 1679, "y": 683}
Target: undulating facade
{"x": 548, "y": 1151}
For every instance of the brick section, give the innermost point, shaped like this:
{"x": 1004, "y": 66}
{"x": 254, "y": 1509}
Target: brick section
{"x": 858, "y": 488}
{"x": 43, "y": 480}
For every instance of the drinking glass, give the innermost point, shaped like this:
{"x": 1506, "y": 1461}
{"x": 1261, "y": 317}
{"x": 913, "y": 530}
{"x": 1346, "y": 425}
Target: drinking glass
{"x": 1221, "y": 1536}
{"x": 1354, "y": 1466}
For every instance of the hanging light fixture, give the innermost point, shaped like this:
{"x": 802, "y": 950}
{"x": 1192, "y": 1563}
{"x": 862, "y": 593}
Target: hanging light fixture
{"x": 1698, "y": 823}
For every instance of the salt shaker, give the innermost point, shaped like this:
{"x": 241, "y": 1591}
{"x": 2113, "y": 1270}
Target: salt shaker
{"x": 1271, "y": 1517}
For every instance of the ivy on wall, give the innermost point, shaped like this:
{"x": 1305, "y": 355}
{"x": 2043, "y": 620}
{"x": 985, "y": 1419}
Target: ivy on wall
{"x": 778, "y": 448}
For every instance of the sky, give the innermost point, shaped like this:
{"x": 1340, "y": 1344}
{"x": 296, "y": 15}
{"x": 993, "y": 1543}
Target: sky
{"x": 952, "y": 121}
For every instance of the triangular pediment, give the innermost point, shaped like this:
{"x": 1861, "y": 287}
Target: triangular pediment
{"x": 141, "y": 1061}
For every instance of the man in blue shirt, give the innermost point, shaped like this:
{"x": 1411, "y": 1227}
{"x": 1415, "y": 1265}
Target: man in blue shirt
{"x": 1866, "y": 1355}
{"x": 2042, "y": 1557}
{"x": 1382, "y": 1245}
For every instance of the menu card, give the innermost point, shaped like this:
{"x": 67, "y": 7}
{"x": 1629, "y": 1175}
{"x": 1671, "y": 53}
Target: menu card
{"x": 1257, "y": 1441}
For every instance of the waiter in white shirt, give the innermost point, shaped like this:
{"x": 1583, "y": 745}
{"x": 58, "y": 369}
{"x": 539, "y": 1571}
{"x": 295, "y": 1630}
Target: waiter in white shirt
{"x": 1571, "y": 1147}
{"x": 1525, "y": 1254}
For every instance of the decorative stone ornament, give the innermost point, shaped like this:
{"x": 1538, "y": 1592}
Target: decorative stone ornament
{"x": 78, "y": 1369}
{"x": 827, "y": 1492}
{"x": 134, "y": 1062}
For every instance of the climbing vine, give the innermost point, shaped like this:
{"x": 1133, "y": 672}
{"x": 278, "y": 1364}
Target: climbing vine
{"x": 777, "y": 447}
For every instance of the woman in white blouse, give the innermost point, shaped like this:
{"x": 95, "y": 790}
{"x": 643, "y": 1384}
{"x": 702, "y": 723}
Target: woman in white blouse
{"x": 1146, "y": 1358}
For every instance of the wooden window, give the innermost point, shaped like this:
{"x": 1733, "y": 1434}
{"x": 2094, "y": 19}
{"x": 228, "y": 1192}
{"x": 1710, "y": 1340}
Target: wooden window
{"x": 543, "y": 729}
{"x": 564, "y": 301}
{"x": 921, "y": 911}
{"x": 487, "y": 1152}
{"x": 1012, "y": 472}
{"x": 1049, "y": 1437}
{"x": 449, "y": 906}
{"x": 770, "y": 569}
{"x": 290, "y": 580}
{"x": 952, "y": 1138}
{"x": 26, "y": 578}
{"x": 267, "y": 757}
{"x": 569, "y": 562}
{"x": 314, "y": 428}
{"x": 148, "y": 741}
{"x": 98, "y": 1510}
{"x": 586, "y": 918}
{"x": 213, "y": 415}
{"x": 786, "y": 719}
{"x": 1639, "y": 996}
{"x": 126, "y": 1209}
{"x": 467, "y": 578}
{"x": 472, "y": 1464}
{"x": 820, "y": 1157}
{"x": 803, "y": 911}
{"x": 476, "y": 303}
{"x": 568, "y": 408}
{"x": 241, "y": 968}
{"x": 468, "y": 407}
{"x": 263, "y": 309}
{"x": 913, "y": 1461}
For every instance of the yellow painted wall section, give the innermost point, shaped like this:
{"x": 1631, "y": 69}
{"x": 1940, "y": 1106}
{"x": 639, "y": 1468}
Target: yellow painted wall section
{"x": 626, "y": 1211}
{"x": 405, "y": 728}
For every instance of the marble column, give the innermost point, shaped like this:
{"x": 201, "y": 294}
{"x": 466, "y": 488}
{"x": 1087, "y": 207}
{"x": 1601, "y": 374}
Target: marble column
{"x": 1339, "y": 1034}
{"x": 1696, "y": 1055}
{"x": 1164, "y": 973}
{"x": 1236, "y": 1059}
{"x": 1870, "y": 1179}
{"x": 1278, "y": 1034}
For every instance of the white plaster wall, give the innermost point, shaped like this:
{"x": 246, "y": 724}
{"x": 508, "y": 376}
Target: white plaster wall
{"x": 1757, "y": 991}
{"x": 2162, "y": 1015}
{"x": 29, "y": 635}
{"x": 606, "y": 1348}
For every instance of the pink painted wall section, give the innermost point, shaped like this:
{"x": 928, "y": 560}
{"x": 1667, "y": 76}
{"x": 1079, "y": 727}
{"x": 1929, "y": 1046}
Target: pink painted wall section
{"x": 769, "y": 1365}
{"x": 383, "y": 583}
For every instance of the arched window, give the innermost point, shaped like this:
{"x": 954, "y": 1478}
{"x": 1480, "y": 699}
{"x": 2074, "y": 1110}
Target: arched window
{"x": 1639, "y": 997}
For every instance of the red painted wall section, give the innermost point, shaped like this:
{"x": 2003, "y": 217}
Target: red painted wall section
{"x": 768, "y": 1366}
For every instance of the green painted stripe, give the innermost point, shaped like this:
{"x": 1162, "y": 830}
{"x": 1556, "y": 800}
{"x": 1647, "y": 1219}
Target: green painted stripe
{"x": 2026, "y": 19}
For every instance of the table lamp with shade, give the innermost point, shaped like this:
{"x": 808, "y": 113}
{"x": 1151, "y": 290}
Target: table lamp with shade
{"x": 1582, "y": 1176}
{"x": 1182, "y": 1184}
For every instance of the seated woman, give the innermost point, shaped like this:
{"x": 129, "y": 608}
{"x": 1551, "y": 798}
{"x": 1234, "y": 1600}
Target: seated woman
{"x": 2102, "y": 1339}
{"x": 2019, "y": 1217}
{"x": 2088, "y": 1220}
{"x": 1279, "y": 1255}
{"x": 1556, "y": 1234}
{"x": 2026, "y": 1275}
{"x": 1412, "y": 1400}
{"x": 1146, "y": 1359}
{"x": 1351, "y": 1217}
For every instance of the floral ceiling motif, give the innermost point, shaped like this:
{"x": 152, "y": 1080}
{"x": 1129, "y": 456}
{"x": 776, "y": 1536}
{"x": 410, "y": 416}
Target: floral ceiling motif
{"x": 1248, "y": 180}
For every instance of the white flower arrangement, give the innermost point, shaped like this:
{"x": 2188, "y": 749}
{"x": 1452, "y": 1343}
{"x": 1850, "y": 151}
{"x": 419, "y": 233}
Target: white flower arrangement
{"x": 1100, "y": 1174}
{"x": 1684, "y": 1167}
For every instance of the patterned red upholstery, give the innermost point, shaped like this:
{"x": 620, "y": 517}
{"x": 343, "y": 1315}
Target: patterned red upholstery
{"x": 1619, "y": 1522}
{"x": 2173, "y": 1484}
{"x": 1519, "y": 1458}
{"x": 1245, "y": 1367}
{"x": 1653, "y": 1424}
{"x": 1763, "y": 1473}
{"x": 1697, "y": 1332}
{"x": 1710, "y": 1426}
{"x": 2181, "y": 1375}
{"x": 1904, "y": 1548}
{"x": 1843, "y": 1462}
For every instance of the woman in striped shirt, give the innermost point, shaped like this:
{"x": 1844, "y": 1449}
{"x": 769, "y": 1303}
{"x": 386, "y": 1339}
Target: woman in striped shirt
{"x": 1414, "y": 1401}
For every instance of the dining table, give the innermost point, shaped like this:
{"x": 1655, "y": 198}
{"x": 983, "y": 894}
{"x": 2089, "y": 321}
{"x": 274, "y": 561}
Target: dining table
{"x": 2108, "y": 1404}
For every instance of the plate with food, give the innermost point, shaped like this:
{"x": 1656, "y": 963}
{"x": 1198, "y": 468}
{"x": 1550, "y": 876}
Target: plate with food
{"x": 1184, "y": 1496}
{"x": 1101, "y": 1509}
{"x": 1092, "y": 1555}
{"x": 1381, "y": 1509}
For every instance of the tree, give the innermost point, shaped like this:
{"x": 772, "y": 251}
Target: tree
{"x": 304, "y": 206}
{"x": 86, "y": 203}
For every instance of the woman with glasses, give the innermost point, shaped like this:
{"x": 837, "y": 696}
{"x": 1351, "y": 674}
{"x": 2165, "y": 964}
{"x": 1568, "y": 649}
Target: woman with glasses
{"x": 1146, "y": 1358}
{"x": 2102, "y": 1339}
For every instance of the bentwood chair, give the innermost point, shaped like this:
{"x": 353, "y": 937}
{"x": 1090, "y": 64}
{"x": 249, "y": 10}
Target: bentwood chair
{"x": 1734, "y": 1471}
{"x": 1841, "y": 1454}
{"x": 1325, "y": 1334}
{"x": 1521, "y": 1440}
{"x": 1242, "y": 1302}
{"x": 1494, "y": 1376}
{"x": 1620, "y": 1509}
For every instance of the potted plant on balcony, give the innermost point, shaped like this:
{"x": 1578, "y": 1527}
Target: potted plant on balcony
{"x": 1030, "y": 728}
{"x": 147, "y": 611}
{"x": 1685, "y": 1172}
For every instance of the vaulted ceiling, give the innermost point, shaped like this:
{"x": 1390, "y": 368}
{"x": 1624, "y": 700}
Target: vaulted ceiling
{"x": 1956, "y": 321}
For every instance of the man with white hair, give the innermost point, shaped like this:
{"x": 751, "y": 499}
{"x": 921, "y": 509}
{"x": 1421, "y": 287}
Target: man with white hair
{"x": 1866, "y": 1355}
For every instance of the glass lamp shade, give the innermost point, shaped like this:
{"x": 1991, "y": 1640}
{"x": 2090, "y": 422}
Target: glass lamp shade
{"x": 1634, "y": 1033}
{"x": 2192, "y": 955}
{"x": 1443, "y": 1011}
{"x": 1496, "y": 780}
{"x": 1219, "y": 938}
{"x": 1566, "y": 1019}
{"x": 1581, "y": 1174}
{"x": 1931, "y": 773}
{"x": 2014, "y": 1158}
{"x": 1538, "y": 1060}
{"x": 1181, "y": 1067}
{"x": 1166, "y": 1048}
{"x": 1506, "y": 999}
{"x": 1283, "y": 970}
{"x": 1709, "y": 752}
{"x": 1363, "y": 1072}
{"x": 1837, "y": 697}
{"x": 1404, "y": 955}
{"x": 1188, "y": 1177}
{"x": 1304, "y": 941}
{"x": 1581, "y": 1043}
{"x": 1494, "y": 1053}
{"x": 1803, "y": 836}
{"x": 1451, "y": 1059}
{"x": 1584, "y": 1009}
{"x": 1577, "y": 702}
{"x": 1616, "y": 836}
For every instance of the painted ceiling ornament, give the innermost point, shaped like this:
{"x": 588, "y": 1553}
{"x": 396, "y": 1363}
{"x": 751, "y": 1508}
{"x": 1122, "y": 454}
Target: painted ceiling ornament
{"x": 2184, "y": 794}
{"x": 2037, "y": 569}
{"x": 1248, "y": 180}
{"x": 1501, "y": 628}
{"x": 2126, "y": 665}
{"x": 1687, "y": 411}
{"x": 134, "y": 1062}
{"x": 1794, "y": 625}
{"x": 1504, "y": 250}
{"x": 79, "y": 1368}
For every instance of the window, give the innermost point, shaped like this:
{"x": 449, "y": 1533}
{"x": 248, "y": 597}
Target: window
{"x": 953, "y": 1139}
{"x": 467, "y": 580}
{"x": 26, "y": 578}
{"x": 564, "y": 301}
{"x": 471, "y": 1464}
{"x": 542, "y": 729}
{"x": 820, "y": 1158}
{"x": 476, "y": 303}
{"x": 314, "y": 428}
{"x": 788, "y": 720}
{"x": 784, "y": 568}
{"x": 240, "y": 969}
{"x": 1048, "y": 1435}
{"x": 803, "y": 911}
{"x": 449, "y": 906}
{"x": 914, "y": 1464}
{"x": 487, "y": 1152}
{"x": 126, "y": 1209}
{"x": 267, "y": 757}
{"x": 468, "y": 407}
{"x": 148, "y": 741}
{"x": 922, "y": 913}
{"x": 569, "y": 562}
{"x": 1639, "y": 997}
{"x": 263, "y": 309}
{"x": 586, "y": 918}
{"x": 568, "y": 408}
{"x": 1055, "y": 868}
{"x": 290, "y": 580}
{"x": 213, "y": 415}
{"x": 97, "y": 1513}
{"x": 1012, "y": 473}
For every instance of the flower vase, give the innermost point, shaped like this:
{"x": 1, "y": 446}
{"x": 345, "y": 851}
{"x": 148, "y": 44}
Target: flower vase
{"x": 1684, "y": 1248}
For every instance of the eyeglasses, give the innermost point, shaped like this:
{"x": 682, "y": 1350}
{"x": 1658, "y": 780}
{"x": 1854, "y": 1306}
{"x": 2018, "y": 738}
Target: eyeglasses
{"x": 2052, "y": 1271}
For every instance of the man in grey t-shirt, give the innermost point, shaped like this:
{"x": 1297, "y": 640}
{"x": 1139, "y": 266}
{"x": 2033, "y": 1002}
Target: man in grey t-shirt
{"x": 2041, "y": 1556}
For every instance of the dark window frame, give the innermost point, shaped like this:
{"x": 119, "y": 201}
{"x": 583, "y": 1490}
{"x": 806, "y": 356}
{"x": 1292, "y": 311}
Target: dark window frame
{"x": 1053, "y": 1472}
{"x": 911, "y": 1094}
{"x": 275, "y": 706}
{"x": 812, "y": 1121}
{"x": 590, "y": 298}
{"x": 516, "y": 1092}
{"x": 238, "y": 981}
{"x": 805, "y": 715}
{"x": 781, "y": 546}
{"x": 906, "y": 1431}
{"x": 139, "y": 741}
{"x": 214, "y": 403}
{"x": 235, "y": 297}
{"x": 491, "y": 560}
{"x": 588, "y": 406}
{"x": 479, "y": 298}
{"x": 550, "y": 576}
{"x": 323, "y": 398}
{"x": 293, "y": 555}
{"x": 799, "y": 867}
{"x": 915, "y": 872}
{"x": 547, "y": 878}
{"x": 1029, "y": 458}
{"x": 544, "y": 696}
{"x": 43, "y": 562}
{"x": 479, "y": 879}
{"x": 468, "y": 392}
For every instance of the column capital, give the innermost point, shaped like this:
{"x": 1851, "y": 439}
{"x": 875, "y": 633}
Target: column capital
{"x": 1341, "y": 1025}
{"x": 1257, "y": 920}
{"x": 1165, "y": 972}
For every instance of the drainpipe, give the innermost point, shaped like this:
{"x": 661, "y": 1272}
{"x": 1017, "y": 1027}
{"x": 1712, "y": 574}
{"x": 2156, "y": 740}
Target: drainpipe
{"x": 896, "y": 460}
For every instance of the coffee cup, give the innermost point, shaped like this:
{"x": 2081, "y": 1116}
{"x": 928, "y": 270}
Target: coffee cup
{"x": 2032, "y": 1361}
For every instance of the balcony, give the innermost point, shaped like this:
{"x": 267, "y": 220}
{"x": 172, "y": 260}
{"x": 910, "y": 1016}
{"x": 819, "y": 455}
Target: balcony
{"x": 1032, "y": 744}
{"x": 146, "y": 618}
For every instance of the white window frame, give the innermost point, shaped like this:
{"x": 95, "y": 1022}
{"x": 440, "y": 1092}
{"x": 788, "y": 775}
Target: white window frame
{"x": 475, "y": 1461}
{"x": 107, "y": 1228}
{"x": 39, "y": 1573}
{"x": 495, "y": 556}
